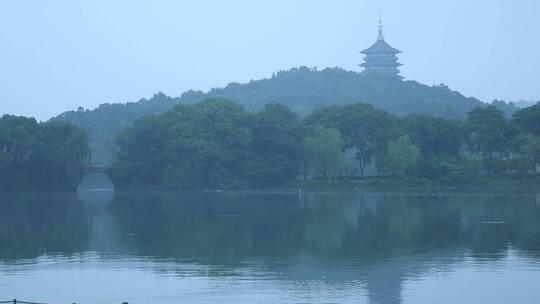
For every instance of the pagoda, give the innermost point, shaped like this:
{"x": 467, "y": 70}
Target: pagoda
{"x": 381, "y": 59}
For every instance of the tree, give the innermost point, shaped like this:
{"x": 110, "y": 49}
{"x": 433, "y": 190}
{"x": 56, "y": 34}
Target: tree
{"x": 324, "y": 152}
{"x": 528, "y": 119}
{"x": 489, "y": 132}
{"x": 275, "y": 148}
{"x": 191, "y": 146}
{"x": 17, "y": 145}
{"x": 530, "y": 150}
{"x": 140, "y": 159}
{"x": 402, "y": 157}
{"x": 63, "y": 154}
{"x": 208, "y": 144}
{"x": 465, "y": 171}
{"x": 40, "y": 156}
{"x": 437, "y": 138}
{"x": 440, "y": 141}
{"x": 365, "y": 129}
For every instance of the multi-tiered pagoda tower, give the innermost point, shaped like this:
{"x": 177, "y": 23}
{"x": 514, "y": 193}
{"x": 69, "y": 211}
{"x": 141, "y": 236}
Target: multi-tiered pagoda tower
{"x": 381, "y": 59}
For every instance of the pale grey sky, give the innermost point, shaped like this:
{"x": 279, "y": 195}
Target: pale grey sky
{"x": 58, "y": 55}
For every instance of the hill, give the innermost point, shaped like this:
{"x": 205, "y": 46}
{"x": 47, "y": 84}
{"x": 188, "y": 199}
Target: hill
{"x": 302, "y": 89}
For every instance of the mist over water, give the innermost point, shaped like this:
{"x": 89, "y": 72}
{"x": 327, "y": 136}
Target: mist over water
{"x": 240, "y": 247}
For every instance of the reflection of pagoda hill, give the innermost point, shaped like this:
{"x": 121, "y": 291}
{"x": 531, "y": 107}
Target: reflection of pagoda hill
{"x": 382, "y": 278}
{"x": 384, "y": 238}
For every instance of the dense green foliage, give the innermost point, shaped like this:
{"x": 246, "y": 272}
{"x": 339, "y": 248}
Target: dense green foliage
{"x": 301, "y": 89}
{"x": 528, "y": 119}
{"x": 488, "y": 132}
{"x": 402, "y": 157}
{"x": 214, "y": 143}
{"x": 40, "y": 156}
{"x": 217, "y": 144}
{"x": 365, "y": 129}
{"x": 275, "y": 149}
{"x": 324, "y": 153}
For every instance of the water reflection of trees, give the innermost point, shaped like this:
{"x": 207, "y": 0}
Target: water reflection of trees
{"x": 228, "y": 227}
{"x": 376, "y": 239}
{"x": 234, "y": 226}
{"x": 32, "y": 225}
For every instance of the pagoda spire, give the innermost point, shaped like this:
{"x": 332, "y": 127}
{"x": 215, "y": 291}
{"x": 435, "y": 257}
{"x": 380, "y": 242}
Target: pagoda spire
{"x": 381, "y": 33}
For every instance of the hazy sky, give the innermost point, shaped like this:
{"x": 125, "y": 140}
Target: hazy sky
{"x": 58, "y": 55}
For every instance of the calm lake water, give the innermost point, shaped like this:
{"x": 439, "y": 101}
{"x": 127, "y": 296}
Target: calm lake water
{"x": 238, "y": 247}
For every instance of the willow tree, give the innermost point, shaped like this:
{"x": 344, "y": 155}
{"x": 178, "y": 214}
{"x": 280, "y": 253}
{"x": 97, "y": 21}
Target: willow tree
{"x": 324, "y": 153}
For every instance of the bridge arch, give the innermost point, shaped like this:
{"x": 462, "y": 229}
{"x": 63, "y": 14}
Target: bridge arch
{"x": 96, "y": 178}
{"x": 97, "y": 169}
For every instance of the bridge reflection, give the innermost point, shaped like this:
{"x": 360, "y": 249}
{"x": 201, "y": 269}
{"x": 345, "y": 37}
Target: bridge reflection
{"x": 96, "y": 178}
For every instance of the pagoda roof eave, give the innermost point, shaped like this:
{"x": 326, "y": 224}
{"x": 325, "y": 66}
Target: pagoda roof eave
{"x": 397, "y": 64}
{"x": 380, "y": 46}
{"x": 367, "y": 52}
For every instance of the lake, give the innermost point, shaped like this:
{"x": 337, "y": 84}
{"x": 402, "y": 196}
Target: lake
{"x": 254, "y": 247}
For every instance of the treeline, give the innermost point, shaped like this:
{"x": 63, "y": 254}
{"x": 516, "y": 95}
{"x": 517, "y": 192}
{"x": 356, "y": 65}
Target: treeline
{"x": 218, "y": 144}
{"x": 40, "y": 156}
{"x": 301, "y": 89}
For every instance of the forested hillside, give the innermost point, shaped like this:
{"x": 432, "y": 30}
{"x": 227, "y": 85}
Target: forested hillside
{"x": 103, "y": 123}
{"x": 301, "y": 89}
